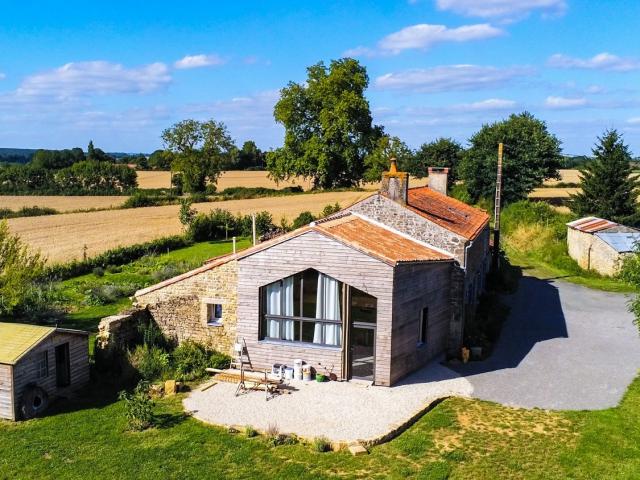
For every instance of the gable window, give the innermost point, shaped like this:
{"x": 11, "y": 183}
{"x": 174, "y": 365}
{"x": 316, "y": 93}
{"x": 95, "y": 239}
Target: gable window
{"x": 305, "y": 307}
{"x": 43, "y": 364}
{"x": 424, "y": 327}
{"x": 214, "y": 314}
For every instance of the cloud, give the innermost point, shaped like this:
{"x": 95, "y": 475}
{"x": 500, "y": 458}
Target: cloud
{"x": 634, "y": 121}
{"x": 448, "y": 78}
{"x": 424, "y": 36}
{"x": 2, "y": 76}
{"x": 563, "y": 102}
{"x": 602, "y": 61}
{"x": 503, "y": 9}
{"x": 198, "y": 61}
{"x": 95, "y": 78}
{"x": 488, "y": 105}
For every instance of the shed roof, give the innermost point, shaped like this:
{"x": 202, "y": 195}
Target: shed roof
{"x": 621, "y": 242}
{"x": 449, "y": 213}
{"x": 16, "y": 339}
{"x": 591, "y": 224}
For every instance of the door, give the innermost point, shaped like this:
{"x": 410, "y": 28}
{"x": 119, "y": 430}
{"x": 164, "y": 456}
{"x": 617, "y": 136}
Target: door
{"x": 63, "y": 367}
{"x": 363, "y": 352}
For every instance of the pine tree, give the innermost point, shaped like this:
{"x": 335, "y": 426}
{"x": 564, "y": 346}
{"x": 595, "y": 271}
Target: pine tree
{"x": 608, "y": 191}
{"x": 91, "y": 151}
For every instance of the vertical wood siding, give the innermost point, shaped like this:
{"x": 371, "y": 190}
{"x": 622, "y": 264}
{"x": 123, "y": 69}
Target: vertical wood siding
{"x": 313, "y": 250}
{"x": 6, "y": 392}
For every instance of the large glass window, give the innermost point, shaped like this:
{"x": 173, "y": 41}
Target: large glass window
{"x": 363, "y": 307}
{"x": 306, "y": 307}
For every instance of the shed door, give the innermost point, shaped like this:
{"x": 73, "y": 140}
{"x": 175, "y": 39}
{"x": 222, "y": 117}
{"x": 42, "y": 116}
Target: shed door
{"x": 63, "y": 367}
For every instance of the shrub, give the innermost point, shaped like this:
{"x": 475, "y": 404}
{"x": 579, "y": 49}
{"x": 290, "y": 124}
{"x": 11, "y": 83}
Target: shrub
{"x": 330, "y": 210}
{"x": 191, "y": 359}
{"x": 114, "y": 268}
{"x": 138, "y": 407}
{"x": 151, "y": 362}
{"x": 219, "y": 224}
{"x": 98, "y": 271}
{"x": 170, "y": 270}
{"x": 152, "y": 336}
{"x": 250, "y": 432}
{"x": 27, "y": 212}
{"x": 109, "y": 293}
{"x": 321, "y": 444}
{"x": 305, "y": 218}
{"x": 282, "y": 439}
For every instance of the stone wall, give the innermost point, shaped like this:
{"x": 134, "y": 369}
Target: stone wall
{"x": 390, "y": 213}
{"x": 180, "y": 309}
{"x": 120, "y": 331}
{"x": 592, "y": 253}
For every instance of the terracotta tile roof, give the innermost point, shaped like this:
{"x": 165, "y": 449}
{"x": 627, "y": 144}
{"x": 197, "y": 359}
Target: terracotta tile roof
{"x": 379, "y": 242}
{"x": 591, "y": 224}
{"x": 447, "y": 212}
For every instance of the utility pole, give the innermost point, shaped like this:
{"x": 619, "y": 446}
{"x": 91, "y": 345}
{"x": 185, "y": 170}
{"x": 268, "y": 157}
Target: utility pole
{"x": 496, "y": 212}
{"x": 253, "y": 227}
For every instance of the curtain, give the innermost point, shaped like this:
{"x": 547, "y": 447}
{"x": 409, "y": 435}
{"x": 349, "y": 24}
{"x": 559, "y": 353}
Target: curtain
{"x": 328, "y": 308}
{"x": 288, "y": 325}
{"x": 274, "y": 292}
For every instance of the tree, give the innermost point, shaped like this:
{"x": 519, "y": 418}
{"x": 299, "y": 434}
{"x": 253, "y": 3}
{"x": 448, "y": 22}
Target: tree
{"x": 160, "y": 160}
{"x": 56, "y": 159}
{"x": 19, "y": 271}
{"x": 249, "y": 156}
{"x": 328, "y": 126}
{"x": 378, "y": 160}
{"x": 91, "y": 151}
{"x": 608, "y": 191}
{"x": 531, "y": 155}
{"x": 199, "y": 149}
{"x": 442, "y": 152}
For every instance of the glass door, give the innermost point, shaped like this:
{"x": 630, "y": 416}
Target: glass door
{"x": 363, "y": 352}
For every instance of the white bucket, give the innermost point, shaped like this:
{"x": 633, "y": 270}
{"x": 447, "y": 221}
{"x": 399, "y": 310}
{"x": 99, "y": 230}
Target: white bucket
{"x": 306, "y": 373}
{"x": 288, "y": 373}
{"x": 297, "y": 369}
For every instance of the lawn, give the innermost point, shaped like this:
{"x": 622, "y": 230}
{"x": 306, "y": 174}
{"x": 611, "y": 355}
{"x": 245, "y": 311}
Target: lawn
{"x": 459, "y": 438}
{"x": 90, "y": 297}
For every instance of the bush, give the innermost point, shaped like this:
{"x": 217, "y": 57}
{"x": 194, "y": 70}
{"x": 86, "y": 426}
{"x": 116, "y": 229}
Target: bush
{"x": 27, "y": 212}
{"x": 321, "y": 444}
{"x": 220, "y": 224}
{"x": 143, "y": 198}
{"x": 98, "y": 271}
{"x": 330, "y": 210}
{"x": 170, "y": 270}
{"x": 302, "y": 220}
{"x": 109, "y": 293}
{"x": 151, "y": 362}
{"x": 190, "y": 360}
{"x": 250, "y": 432}
{"x": 138, "y": 407}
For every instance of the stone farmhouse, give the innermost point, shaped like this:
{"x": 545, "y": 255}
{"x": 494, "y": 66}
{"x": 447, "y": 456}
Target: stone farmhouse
{"x": 600, "y": 245}
{"x": 373, "y": 292}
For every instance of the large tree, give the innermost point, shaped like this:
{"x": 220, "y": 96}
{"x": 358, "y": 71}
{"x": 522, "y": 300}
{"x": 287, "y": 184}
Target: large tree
{"x": 442, "y": 152}
{"x": 608, "y": 190}
{"x": 199, "y": 149}
{"x": 531, "y": 155}
{"x": 386, "y": 147}
{"x": 328, "y": 126}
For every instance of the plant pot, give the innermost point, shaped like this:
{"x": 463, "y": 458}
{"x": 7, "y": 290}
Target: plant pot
{"x": 320, "y": 378}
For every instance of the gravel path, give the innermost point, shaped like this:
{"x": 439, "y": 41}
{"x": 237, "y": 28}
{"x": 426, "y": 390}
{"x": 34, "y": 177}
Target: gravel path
{"x": 564, "y": 347}
{"x": 340, "y": 411}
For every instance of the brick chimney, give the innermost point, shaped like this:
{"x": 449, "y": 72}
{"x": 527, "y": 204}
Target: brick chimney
{"x": 438, "y": 177}
{"x": 395, "y": 184}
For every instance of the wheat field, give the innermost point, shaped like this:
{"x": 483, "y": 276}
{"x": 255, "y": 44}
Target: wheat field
{"x": 63, "y": 237}
{"x": 61, "y": 203}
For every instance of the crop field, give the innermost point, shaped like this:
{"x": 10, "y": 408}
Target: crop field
{"x": 61, "y": 203}
{"x": 63, "y": 237}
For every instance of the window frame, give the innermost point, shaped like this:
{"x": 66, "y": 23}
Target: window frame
{"x": 43, "y": 364}
{"x": 210, "y": 306}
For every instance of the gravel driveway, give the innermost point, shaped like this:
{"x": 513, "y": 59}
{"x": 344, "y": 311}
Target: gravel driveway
{"x": 563, "y": 347}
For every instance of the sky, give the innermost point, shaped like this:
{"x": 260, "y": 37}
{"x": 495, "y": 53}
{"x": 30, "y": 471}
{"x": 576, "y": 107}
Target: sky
{"x": 120, "y": 72}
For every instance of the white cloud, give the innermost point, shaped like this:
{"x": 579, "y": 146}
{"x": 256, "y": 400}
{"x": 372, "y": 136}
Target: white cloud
{"x": 564, "y": 102}
{"x": 602, "y": 61}
{"x": 634, "y": 121}
{"x": 424, "y": 36}
{"x": 503, "y": 9}
{"x": 488, "y": 105}
{"x": 198, "y": 61}
{"x": 448, "y": 78}
{"x": 97, "y": 77}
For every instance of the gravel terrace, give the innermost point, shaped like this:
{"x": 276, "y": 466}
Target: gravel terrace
{"x": 339, "y": 411}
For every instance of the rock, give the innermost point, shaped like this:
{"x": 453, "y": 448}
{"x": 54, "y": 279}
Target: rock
{"x": 357, "y": 449}
{"x": 170, "y": 387}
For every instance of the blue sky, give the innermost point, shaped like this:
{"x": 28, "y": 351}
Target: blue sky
{"x": 120, "y": 72}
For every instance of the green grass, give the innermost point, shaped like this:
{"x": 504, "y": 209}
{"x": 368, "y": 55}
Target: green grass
{"x": 458, "y": 439}
{"x": 82, "y": 314}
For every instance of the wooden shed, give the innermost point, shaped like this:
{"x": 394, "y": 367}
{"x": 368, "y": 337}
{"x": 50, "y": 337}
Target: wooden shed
{"x": 38, "y": 364}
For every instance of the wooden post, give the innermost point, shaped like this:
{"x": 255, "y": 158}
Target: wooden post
{"x": 496, "y": 219}
{"x": 234, "y": 244}
{"x": 253, "y": 227}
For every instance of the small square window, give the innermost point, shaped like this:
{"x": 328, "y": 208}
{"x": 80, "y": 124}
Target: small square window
{"x": 43, "y": 364}
{"x": 214, "y": 314}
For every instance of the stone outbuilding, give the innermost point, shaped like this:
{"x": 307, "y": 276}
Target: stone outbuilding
{"x": 38, "y": 364}
{"x": 600, "y": 245}
{"x": 373, "y": 292}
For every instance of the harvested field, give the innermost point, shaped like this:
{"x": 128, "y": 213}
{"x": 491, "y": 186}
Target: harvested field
{"x": 566, "y": 176}
{"x": 63, "y": 237}
{"x": 553, "y": 192}
{"x": 244, "y": 179}
{"x": 61, "y": 203}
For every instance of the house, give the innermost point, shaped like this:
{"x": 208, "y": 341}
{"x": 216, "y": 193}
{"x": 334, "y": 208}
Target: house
{"x": 372, "y": 292}
{"x": 37, "y": 364}
{"x": 600, "y": 245}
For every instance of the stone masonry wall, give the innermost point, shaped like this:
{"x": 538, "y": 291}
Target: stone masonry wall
{"x": 180, "y": 309}
{"x": 390, "y": 213}
{"x": 592, "y": 253}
